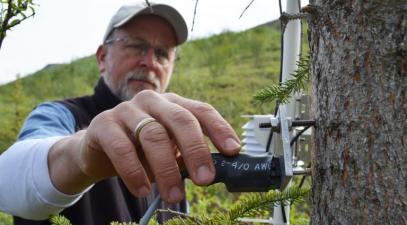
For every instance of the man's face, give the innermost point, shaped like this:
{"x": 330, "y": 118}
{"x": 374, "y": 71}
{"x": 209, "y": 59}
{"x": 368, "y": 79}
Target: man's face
{"x": 138, "y": 56}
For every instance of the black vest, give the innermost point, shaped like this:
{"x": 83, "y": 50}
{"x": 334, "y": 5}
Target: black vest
{"x": 108, "y": 200}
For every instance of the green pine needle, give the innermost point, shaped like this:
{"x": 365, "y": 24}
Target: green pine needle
{"x": 253, "y": 204}
{"x": 248, "y": 205}
{"x": 118, "y": 223}
{"x": 281, "y": 94}
{"x": 59, "y": 220}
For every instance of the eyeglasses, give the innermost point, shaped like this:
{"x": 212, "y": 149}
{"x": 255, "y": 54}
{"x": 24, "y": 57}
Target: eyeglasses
{"x": 140, "y": 48}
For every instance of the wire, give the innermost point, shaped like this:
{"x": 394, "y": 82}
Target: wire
{"x": 246, "y": 9}
{"x": 281, "y": 81}
{"x": 303, "y": 177}
{"x": 291, "y": 144}
{"x": 281, "y": 8}
{"x": 150, "y": 211}
{"x": 281, "y": 52}
{"x": 193, "y": 20}
{"x": 301, "y": 26}
{"x": 281, "y": 44}
{"x": 298, "y": 135}
{"x": 269, "y": 140}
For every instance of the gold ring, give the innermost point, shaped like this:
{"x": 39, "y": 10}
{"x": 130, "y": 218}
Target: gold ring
{"x": 140, "y": 126}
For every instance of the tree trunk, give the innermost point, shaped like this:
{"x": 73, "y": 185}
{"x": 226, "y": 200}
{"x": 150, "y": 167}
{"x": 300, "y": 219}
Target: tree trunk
{"x": 359, "y": 71}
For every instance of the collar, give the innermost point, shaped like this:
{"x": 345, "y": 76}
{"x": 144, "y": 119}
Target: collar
{"x": 103, "y": 97}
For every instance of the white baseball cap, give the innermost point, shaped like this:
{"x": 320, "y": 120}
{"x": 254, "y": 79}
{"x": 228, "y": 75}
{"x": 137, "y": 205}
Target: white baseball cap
{"x": 127, "y": 12}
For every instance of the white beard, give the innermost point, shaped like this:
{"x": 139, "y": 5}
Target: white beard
{"x": 125, "y": 91}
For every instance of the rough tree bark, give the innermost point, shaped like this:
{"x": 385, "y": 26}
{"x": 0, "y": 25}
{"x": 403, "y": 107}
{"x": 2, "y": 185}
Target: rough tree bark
{"x": 359, "y": 71}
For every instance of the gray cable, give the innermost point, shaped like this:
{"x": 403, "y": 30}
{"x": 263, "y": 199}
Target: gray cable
{"x": 150, "y": 211}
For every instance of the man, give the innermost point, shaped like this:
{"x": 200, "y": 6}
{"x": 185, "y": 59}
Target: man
{"x": 70, "y": 152}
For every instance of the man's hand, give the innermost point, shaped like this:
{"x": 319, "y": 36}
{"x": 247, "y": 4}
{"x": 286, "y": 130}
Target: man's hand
{"x": 108, "y": 147}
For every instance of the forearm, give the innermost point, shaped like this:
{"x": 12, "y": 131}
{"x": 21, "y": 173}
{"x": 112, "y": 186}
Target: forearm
{"x": 64, "y": 169}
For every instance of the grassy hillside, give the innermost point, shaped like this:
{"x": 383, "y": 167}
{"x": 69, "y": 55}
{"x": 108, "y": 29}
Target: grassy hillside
{"x": 224, "y": 70}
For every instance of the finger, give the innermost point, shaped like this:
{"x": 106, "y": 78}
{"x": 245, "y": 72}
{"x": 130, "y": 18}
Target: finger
{"x": 161, "y": 157}
{"x": 122, "y": 153}
{"x": 157, "y": 149}
{"x": 186, "y": 131}
{"x": 215, "y": 126}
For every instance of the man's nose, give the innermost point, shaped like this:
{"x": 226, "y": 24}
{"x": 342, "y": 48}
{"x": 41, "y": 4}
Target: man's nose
{"x": 148, "y": 59}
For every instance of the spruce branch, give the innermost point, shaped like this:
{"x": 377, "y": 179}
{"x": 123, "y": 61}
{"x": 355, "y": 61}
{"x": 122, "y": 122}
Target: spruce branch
{"x": 282, "y": 93}
{"x": 176, "y": 213}
{"x": 180, "y": 217}
{"x": 252, "y": 204}
{"x": 118, "y": 223}
{"x": 59, "y": 220}
{"x": 184, "y": 221}
{"x": 248, "y": 205}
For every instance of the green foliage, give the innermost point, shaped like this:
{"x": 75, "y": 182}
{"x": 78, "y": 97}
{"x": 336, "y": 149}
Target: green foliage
{"x": 59, "y": 220}
{"x": 282, "y": 93}
{"x": 17, "y": 113}
{"x": 5, "y": 219}
{"x": 248, "y": 205}
{"x": 12, "y": 13}
{"x": 258, "y": 42}
{"x": 208, "y": 200}
{"x": 18, "y": 98}
{"x": 228, "y": 91}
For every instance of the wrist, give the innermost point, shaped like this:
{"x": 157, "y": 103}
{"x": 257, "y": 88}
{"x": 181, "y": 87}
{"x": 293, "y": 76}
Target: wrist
{"x": 63, "y": 163}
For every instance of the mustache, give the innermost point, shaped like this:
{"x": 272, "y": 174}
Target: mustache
{"x": 143, "y": 76}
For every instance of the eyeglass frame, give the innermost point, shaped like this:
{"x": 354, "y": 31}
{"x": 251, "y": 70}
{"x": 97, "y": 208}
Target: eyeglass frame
{"x": 144, "y": 47}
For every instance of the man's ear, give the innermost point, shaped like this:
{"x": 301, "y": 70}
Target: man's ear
{"x": 101, "y": 57}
